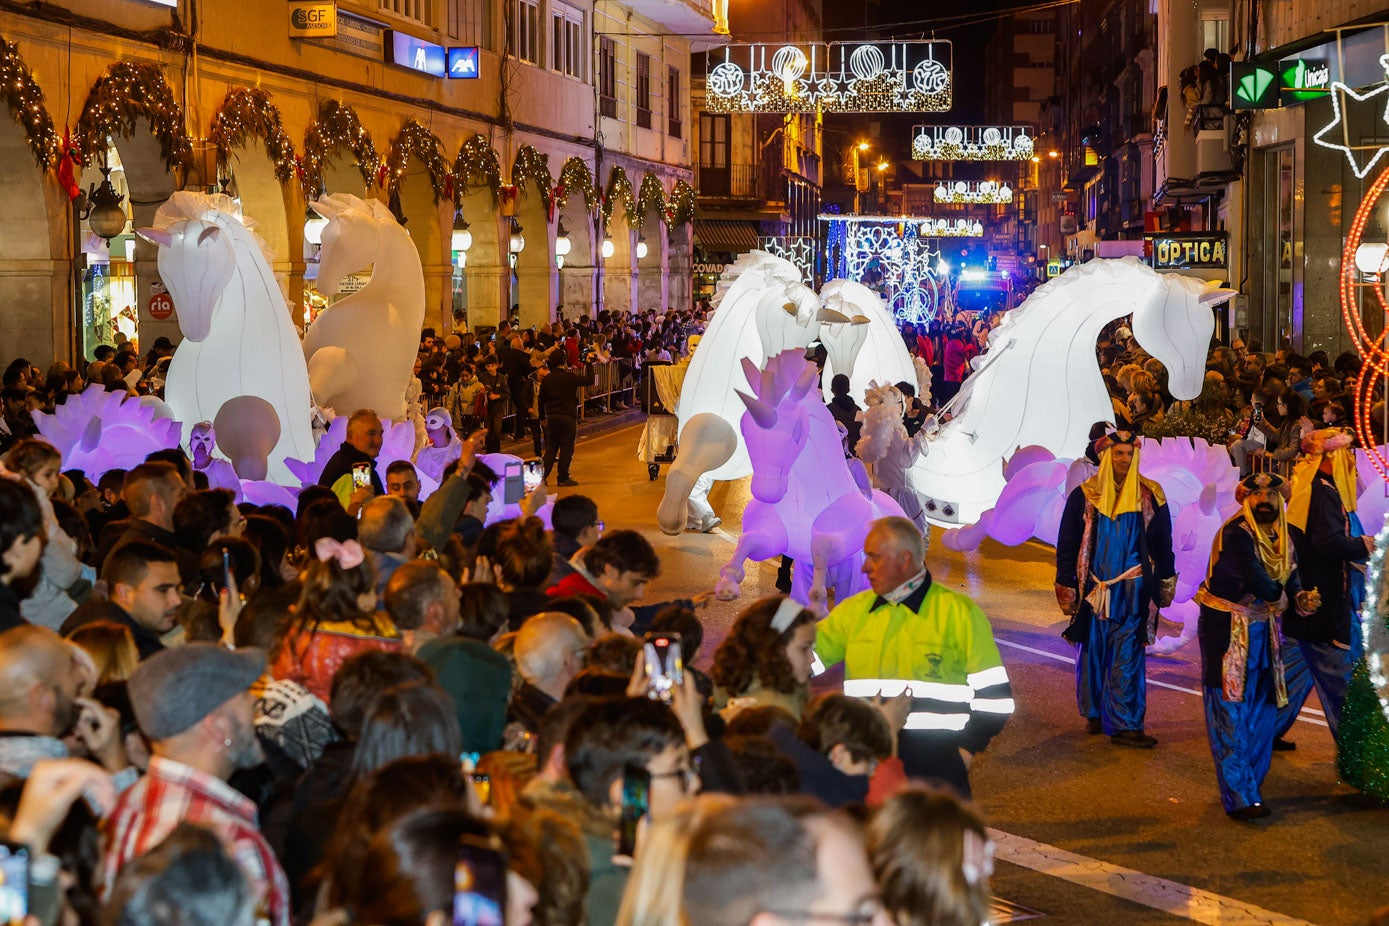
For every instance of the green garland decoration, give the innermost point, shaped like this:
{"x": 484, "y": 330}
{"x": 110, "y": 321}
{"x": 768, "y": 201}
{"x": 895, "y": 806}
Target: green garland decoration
{"x": 337, "y": 126}
{"x": 25, "y": 97}
{"x": 533, "y": 167}
{"x": 247, "y": 113}
{"x": 651, "y": 197}
{"x": 1362, "y": 743}
{"x": 620, "y": 187}
{"x": 680, "y": 207}
{"x": 414, "y": 140}
{"x": 576, "y": 176}
{"x": 122, "y": 96}
{"x": 477, "y": 160}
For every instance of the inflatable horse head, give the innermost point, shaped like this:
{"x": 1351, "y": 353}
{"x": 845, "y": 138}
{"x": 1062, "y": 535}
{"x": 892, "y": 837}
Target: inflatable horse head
{"x": 352, "y": 239}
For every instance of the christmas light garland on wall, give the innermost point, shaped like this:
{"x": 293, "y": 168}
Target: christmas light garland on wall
{"x": 122, "y": 96}
{"x": 798, "y": 249}
{"x": 620, "y": 188}
{"x": 337, "y": 127}
{"x": 26, "y": 101}
{"x": 246, "y": 113}
{"x": 576, "y": 177}
{"x": 651, "y": 197}
{"x": 838, "y": 77}
{"x": 680, "y": 206}
{"x": 415, "y": 141}
{"x": 985, "y": 192}
{"x": 972, "y": 143}
{"x": 532, "y": 167}
{"x": 477, "y": 160}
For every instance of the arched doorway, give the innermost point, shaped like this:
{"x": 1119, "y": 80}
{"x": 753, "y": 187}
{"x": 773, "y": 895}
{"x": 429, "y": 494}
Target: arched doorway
{"x": 339, "y": 157}
{"x": 420, "y": 185}
{"x": 649, "y": 248}
{"x": 255, "y": 166}
{"x": 32, "y": 248}
{"x": 146, "y": 168}
{"x": 619, "y": 212}
{"x": 576, "y": 203}
{"x": 532, "y": 268}
{"x": 480, "y": 280}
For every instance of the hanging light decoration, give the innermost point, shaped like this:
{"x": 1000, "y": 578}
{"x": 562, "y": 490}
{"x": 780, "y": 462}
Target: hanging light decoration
{"x": 642, "y": 249}
{"x": 313, "y": 228}
{"x": 105, "y": 209}
{"x": 518, "y": 238}
{"x": 608, "y": 246}
{"x": 562, "y": 243}
{"x": 462, "y": 237}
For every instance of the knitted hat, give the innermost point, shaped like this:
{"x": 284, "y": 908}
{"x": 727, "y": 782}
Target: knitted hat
{"x": 174, "y": 689}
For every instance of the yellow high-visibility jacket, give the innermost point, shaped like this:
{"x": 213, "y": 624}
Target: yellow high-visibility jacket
{"x": 937, "y": 646}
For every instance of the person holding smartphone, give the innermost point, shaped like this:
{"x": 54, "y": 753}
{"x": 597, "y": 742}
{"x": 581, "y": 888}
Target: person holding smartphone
{"x": 351, "y": 471}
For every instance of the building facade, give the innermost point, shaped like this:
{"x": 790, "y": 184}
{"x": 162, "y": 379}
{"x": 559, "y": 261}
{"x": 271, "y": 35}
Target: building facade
{"x": 572, "y": 114}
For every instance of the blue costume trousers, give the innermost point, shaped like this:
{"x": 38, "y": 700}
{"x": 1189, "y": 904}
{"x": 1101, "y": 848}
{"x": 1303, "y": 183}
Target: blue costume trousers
{"x": 1241, "y": 732}
{"x": 1330, "y": 667}
{"x": 1110, "y": 670}
{"x": 1299, "y": 681}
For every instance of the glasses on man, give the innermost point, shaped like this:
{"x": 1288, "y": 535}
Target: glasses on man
{"x": 689, "y": 778}
{"x": 867, "y": 912}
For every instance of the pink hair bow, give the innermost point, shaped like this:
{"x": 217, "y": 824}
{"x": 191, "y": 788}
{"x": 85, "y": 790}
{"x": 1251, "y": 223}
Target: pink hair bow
{"x": 349, "y": 553}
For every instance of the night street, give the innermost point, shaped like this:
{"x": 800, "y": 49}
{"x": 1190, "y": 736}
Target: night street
{"x": 1099, "y": 834}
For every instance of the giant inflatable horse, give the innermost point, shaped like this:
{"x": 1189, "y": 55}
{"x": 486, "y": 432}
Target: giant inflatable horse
{"x": 238, "y": 340}
{"x": 806, "y": 501}
{"x": 361, "y": 349}
{"x": 767, "y": 310}
{"x": 1040, "y": 384}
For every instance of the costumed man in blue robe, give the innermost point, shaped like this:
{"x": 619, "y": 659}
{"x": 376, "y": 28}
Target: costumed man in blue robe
{"x": 1114, "y": 569}
{"x": 1251, "y": 580}
{"x": 1330, "y": 549}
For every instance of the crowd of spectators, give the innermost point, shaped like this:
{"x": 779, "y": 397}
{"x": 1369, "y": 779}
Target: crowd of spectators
{"x": 229, "y": 713}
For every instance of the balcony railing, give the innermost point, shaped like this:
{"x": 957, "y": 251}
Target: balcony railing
{"x": 743, "y": 181}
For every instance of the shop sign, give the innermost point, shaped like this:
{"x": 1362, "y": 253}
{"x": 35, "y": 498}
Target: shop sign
{"x": 464, "y": 63}
{"x": 1253, "y": 86}
{"x": 710, "y": 269}
{"x": 161, "y": 306}
{"x": 1195, "y": 251}
{"x": 1304, "y": 78}
{"x": 313, "y": 20}
{"x": 406, "y": 51}
{"x": 358, "y": 36}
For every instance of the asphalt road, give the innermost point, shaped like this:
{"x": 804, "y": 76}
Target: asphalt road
{"x": 1096, "y": 834}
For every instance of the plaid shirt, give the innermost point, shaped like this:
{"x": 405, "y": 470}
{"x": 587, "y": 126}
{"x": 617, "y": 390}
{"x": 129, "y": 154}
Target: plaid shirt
{"x": 172, "y": 792}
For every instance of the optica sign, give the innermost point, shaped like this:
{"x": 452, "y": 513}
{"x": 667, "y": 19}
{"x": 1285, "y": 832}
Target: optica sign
{"x": 1194, "y": 251}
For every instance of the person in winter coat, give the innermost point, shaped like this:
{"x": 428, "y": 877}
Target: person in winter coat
{"x": 37, "y": 462}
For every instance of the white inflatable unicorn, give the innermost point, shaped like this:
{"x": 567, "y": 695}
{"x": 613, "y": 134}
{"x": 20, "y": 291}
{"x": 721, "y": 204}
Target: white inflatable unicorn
{"x": 767, "y": 310}
{"x": 1040, "y": 384}
{"x": 361, "y": 349}
{"x": 238, "y": 339}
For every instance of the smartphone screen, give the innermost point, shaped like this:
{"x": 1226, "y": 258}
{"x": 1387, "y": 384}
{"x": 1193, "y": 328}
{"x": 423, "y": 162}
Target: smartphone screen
{"x": 512, "y": 488}
{"x": 361, "y": 475}
{"x": 226, "y": 568}
{"x": 533, "y": 473}
{"x": 14, "y": 883}
{"x": 479, "y": 885}
{"x": 636, "y": 793}
{"x": 482, "y": 784}
{"x": 665, "y": 667}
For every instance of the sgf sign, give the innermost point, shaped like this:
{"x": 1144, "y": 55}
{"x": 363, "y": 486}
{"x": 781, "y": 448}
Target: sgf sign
{"x": 313, "y": 20}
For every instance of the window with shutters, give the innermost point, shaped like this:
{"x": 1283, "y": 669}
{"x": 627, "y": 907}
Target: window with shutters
{"x": 607, "y": 77}
{"x": 643, "y": 99}
{"x": 675, "y": 104}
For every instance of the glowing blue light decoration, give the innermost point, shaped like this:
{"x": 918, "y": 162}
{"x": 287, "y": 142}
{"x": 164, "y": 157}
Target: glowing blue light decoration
{"x": 889, "y": 255}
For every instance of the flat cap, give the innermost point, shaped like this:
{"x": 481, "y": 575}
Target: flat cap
{"x": 174, "y": 689}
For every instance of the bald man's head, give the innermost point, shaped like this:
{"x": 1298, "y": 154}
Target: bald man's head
{"x": 40, "y": 681}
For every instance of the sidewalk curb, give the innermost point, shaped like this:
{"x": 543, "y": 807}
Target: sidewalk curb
{"x": 592, "y": 426}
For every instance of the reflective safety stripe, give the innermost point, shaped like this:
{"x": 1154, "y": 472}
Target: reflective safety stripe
{"x": 892, "y": 687}
{"x": 925, "y": 720}
{"x": 997, "y": 675}
{"x": 993, "y": 705}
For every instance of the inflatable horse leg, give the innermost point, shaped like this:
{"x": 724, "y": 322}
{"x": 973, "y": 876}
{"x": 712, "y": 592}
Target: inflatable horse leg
{"x": 332, "y": 370}
{"x": 248, "y": 428}
{"x": 706, "y": 442}
{"x": 764, "y": 536}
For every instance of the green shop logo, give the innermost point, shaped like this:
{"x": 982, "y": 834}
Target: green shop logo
{"x": 1253, "y": 86}
{"x": 1304, "y": 79}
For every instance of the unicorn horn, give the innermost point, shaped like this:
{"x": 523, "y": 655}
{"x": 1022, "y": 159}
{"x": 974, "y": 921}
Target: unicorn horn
{"x": 761, "y": 412}
{"x": 804, "y": 382}
{"x": 751, "y": 372}
{"x": 160, "y": 236}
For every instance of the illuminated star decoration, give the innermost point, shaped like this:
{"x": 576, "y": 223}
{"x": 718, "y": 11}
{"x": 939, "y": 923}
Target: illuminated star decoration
{"x": 1347, "y": 106}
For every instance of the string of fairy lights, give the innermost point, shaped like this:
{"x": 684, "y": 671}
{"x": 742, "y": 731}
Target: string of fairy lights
{"x": 120, "y": 98}
{"x": 416, "y": 141}
{"x": 27, "y": 107}
{"x": 247, "y": 113}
